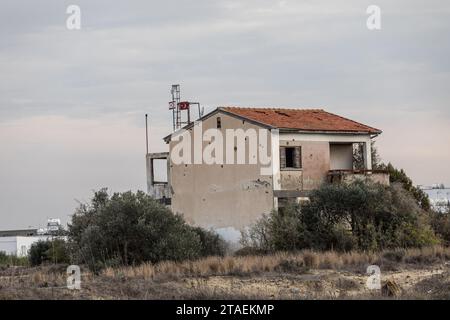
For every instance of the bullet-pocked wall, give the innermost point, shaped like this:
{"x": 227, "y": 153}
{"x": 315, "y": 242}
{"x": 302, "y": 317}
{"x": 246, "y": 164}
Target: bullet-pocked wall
{"x": 315, "y": 163}
{"x": 223, "y": 197}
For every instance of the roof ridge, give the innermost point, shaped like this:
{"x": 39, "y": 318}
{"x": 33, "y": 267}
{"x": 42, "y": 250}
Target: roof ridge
{"x": 237, "y": 114}
{"x": 272, "y": 108}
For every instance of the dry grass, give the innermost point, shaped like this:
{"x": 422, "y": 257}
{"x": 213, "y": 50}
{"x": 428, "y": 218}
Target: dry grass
{"x": 284, "y": 262}
{"x": 302, "y": 275}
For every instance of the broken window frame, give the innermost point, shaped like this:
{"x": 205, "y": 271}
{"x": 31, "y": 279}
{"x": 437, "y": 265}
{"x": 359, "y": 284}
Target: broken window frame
{"x": 296, "y": 158}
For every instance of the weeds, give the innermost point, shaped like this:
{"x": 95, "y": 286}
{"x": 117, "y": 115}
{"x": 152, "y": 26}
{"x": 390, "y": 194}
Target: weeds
{"x": 304, "y": 274}
{"x": 281, "y": 262}
{"x": 12, "y": 260}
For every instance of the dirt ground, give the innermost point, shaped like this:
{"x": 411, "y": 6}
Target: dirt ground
{"x": 327, "y": 284}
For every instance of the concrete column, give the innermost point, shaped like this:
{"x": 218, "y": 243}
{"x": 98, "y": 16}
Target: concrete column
{"x": 149, "y": 167}
{"x": 275, "y": 157}
{"x": 367, "y": 146}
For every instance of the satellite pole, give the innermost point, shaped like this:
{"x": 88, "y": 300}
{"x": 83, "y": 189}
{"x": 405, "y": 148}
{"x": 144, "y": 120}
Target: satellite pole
{"x": 146, "y": 133}
{"x": 174, "y": 105}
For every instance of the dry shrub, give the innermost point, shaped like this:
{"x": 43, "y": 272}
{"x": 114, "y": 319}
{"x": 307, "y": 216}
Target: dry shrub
{"x": 37, "y": 278}
{"x": 109, "y": 272}
{"x": 214, "y": 266}
{"x": 427, "y": 255}
{"x": 331, "y": 260}
{"x": 391, "y": 289}
{"x": 347, "y": 284}
{"x": 311, "y": 259}
{"x": 167, "y": 267}
{"x": 146, "y": 270}
{"x": 229, "y": 263}
{"x": 435, "y": 287}
{"x": 394, "y": 255}
{"x": 291, "y": 266}
{"x": 279, "y": 262}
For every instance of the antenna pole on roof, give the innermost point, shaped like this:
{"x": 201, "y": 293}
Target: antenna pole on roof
{"x": 177, "y": 106}
{"x": 146, "y": 133}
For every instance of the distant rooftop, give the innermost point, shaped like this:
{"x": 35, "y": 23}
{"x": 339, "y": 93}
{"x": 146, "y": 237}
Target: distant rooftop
{"x": 18, "y": 233}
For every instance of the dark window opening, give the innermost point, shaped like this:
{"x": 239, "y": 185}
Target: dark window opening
{"x": 219, "y": 123}
{"x": 285, "y": 203}
{"x": 282, "y": 202}
{"x": 291, "y": 157}
{"x": 165, "y": 201}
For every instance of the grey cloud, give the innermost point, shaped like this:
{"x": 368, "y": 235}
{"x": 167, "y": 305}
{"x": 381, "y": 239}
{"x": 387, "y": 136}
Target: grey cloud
{"x": 258, "y": 52}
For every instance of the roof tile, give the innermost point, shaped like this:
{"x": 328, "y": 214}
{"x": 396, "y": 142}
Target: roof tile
{"x": 301, "y": 119}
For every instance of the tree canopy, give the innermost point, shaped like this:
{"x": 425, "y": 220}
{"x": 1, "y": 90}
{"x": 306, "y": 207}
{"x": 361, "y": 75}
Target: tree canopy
{"x": 129, "y": 228}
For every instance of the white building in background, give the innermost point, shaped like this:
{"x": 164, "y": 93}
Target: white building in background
{"x": 18, "y": 245}
{"x": 18, "y": 242}
{"x": 439, "y": 197}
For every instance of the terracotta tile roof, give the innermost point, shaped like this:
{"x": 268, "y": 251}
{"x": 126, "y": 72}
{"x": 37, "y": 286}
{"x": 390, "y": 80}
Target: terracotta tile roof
{"x": 301, "y": 119}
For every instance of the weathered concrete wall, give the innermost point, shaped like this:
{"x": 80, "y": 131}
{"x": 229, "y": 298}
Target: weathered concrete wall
{"x": 292, "y": 180}
{"x": 316, "y": 159}
{"x": 382, "y": 178}
{"x": 157, "y": 190}
{"x": 224, "y": 197}
{"x": 315, "y": 164}
{"x": 341, "y": 156}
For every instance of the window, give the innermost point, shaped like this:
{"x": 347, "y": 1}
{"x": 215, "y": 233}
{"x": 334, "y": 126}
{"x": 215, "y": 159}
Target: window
{"x": 159, "y": 171}
{"x": 290, "y": 157}
{"x": 219, "y": 123}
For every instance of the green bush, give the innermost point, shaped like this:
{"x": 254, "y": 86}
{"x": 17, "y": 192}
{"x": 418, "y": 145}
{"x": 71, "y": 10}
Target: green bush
{"x": 38, "y": 252}
{"x": 49, "y": 251}
{"x": 130, "y": 228}
{"x": 399, "y": 176}
{"x": 396, "y": 176}
{"x": 360, "y": 215}
{"x": 440, "y": 222}
{"x": 12, "y": 260}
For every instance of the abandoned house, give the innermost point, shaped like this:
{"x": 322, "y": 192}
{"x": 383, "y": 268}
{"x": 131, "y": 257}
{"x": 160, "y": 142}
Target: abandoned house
{"x": 307, "y": 148}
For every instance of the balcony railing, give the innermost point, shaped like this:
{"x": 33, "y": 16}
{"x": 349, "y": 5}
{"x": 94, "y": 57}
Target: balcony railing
{"x": 376, "y": 176}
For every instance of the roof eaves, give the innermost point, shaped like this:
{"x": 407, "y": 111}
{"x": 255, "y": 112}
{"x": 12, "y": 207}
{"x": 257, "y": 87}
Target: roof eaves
{"x": 290, "y": 130}
{"x": 373, "y": 130}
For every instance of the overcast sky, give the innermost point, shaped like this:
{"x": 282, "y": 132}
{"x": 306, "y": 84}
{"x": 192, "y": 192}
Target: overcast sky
{"x": 72, "y": 102}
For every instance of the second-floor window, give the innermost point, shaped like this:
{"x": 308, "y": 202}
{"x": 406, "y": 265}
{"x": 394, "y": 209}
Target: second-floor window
{"x": 290, "y": 157}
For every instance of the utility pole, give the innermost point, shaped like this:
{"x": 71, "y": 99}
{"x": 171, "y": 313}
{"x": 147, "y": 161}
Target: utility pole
{"x": 146, "y": 133}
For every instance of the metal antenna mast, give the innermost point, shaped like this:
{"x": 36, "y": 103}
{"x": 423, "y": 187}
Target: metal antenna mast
{"x": 177, "y": 106}
{"x": 146, "y": 133}
{"x": 174, "y": 106}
